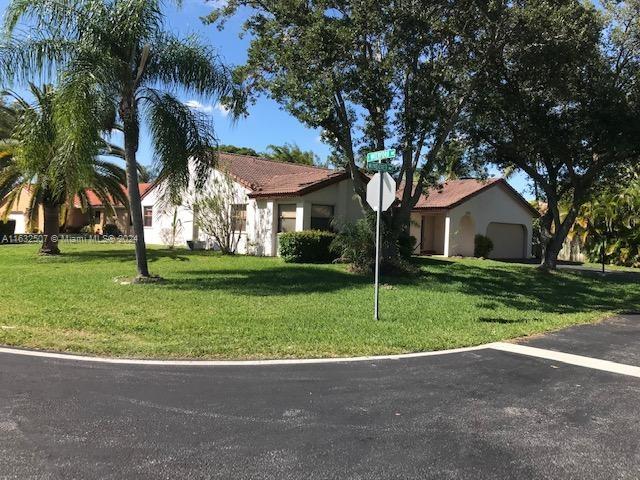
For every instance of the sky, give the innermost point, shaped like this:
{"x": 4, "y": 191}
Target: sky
{"x": 267, "y": 124}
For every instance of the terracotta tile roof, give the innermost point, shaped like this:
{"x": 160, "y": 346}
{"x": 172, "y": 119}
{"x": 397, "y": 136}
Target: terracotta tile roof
{"x": 454, "y": 192}
{"x": 269, "y": 178}
{"x": 94, "y": 200}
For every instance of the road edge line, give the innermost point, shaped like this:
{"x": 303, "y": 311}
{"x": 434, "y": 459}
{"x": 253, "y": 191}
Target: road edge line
{"x": 568, "y": 358}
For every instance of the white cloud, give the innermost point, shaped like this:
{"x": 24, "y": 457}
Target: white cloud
{"x": 208, "y": 108}
{"x": 224, "y": 111}
{"x": 196, "y": 105}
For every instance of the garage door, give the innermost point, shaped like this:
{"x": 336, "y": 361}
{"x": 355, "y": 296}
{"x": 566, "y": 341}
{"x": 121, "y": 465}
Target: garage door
{"x": 508, "y": 240}
{"x": 20, "y": 224}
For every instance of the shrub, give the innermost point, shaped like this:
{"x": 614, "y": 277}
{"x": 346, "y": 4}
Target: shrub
{"x": 7, "y": 228}
{"x": 111, "y": 230}
{"x": 483, "y": 246}
{"x": 309, "y": 246}
{"x": 406, "y": 245}
{"x": 356, "y": 245}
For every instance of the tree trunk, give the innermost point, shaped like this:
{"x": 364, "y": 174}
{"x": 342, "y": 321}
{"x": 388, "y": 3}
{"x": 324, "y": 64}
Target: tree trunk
{"x": 554, "y": 244}
{"x": 131, "y": 136}
{"x": 51, "y": 232}
{"x": 551, "y": 252}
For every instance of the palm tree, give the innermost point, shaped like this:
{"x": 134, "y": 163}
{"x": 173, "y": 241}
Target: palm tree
{"x": 291, "y": 153}
{"x": 453, "y": 163}
{"x": 31, "y": 149}
{"x": 118, "y": 53}
{"x": 607, "y": 225}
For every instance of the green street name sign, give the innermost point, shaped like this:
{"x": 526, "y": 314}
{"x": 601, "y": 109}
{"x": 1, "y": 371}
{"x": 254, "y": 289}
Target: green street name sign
{"x": 381, "y": 155}
{"x": 381, "y": 167}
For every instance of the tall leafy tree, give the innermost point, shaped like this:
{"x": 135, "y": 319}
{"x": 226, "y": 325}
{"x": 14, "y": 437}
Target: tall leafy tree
{"x": 33, "y": 149}
{"x": 562, "y": 103}
{"x": 118, "y": 53}
{"x": 370, "y": 74}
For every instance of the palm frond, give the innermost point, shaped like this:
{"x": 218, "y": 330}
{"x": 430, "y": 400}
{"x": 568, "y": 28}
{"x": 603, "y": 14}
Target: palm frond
{"x": 184, "y": 142}
{"x": 42, "y": 14}
{"x": 25, "y": 59}
{"x": 187, "y": 64}
{"x": 37, "y": 192}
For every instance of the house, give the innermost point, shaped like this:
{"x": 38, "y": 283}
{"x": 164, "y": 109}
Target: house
{"x": 447, "y": 219}
{"x": 94, "y": 215}
{"x": 273, "y": 197}
{"x": 270, "y": 197}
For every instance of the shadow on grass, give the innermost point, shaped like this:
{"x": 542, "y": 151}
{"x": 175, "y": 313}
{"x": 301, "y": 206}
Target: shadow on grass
{"x": 119, "y": 255}
{"x": 519, "y": 287}
{"x": 525, "y": 288}
{"x": 493, "y": 285}
{"x": 276, "y": 280}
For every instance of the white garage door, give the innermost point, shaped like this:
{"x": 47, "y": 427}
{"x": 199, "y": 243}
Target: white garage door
{"x": 20, "y": 224}
{"x": 508, "y": 240}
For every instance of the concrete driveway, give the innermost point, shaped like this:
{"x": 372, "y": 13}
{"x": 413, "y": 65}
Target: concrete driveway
{"x": 481, "y": 414}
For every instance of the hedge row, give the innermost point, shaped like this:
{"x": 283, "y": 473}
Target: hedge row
{"x": 308, "y": 246}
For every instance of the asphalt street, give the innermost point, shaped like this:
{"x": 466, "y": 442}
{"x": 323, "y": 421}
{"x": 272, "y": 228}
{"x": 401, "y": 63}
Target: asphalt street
{"x": 483, "y": 414}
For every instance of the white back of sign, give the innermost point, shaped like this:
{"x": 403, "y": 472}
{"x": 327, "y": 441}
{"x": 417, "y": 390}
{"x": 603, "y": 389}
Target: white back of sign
{"x": 388, "y": 191}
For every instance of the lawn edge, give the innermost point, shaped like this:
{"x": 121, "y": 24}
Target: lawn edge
{"x": 222, "y": 363}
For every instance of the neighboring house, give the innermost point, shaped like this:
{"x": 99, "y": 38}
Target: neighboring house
{"x": 96, "y": 214}
{"x": 446, "y": 221}
{"x": 271, "y": 197}
{"x": 18, "y": 210}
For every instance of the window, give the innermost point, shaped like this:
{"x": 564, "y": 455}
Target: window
{"x": 286, "y": 218}
{"x": 97, "y": 216}
{"x": 148, "y": 216}
{"x": 321, "y": 217}
{"x": 239, "y": 217}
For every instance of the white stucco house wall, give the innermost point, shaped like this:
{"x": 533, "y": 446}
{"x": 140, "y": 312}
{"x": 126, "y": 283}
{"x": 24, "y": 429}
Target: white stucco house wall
{"x": 447, "y": 219}
{"x": 273, "y": 197}
{"x": 270, "y": 196}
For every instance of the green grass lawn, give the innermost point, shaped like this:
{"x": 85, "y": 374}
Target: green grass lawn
{"x": 243, "y": 307}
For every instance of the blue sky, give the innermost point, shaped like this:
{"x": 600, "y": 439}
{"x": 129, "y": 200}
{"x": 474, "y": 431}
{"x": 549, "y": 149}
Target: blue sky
{"x": 267, "y": 123}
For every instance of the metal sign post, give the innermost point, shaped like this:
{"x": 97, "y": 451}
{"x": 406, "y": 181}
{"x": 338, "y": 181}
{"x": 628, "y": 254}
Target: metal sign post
{"x": 376, "y": 293}
{"x": 381, "y": 194}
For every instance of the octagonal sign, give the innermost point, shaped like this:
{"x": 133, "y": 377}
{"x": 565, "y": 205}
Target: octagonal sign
{"x": 388, "y": 191}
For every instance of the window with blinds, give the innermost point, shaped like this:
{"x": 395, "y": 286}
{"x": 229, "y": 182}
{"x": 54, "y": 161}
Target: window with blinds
{"x": 287, "y": 218}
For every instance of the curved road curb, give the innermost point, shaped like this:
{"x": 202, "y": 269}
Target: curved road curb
{"x": 231, "y": 363}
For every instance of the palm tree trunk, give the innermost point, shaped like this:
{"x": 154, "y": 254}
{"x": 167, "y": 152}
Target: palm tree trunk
{"x": 131, "y": 135}
{"x": 51, "y": 231}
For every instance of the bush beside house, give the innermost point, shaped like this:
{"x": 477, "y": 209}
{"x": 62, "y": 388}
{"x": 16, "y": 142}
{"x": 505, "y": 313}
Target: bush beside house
{"x": 309, "y": 246}
{"x": 483, "y": 246}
